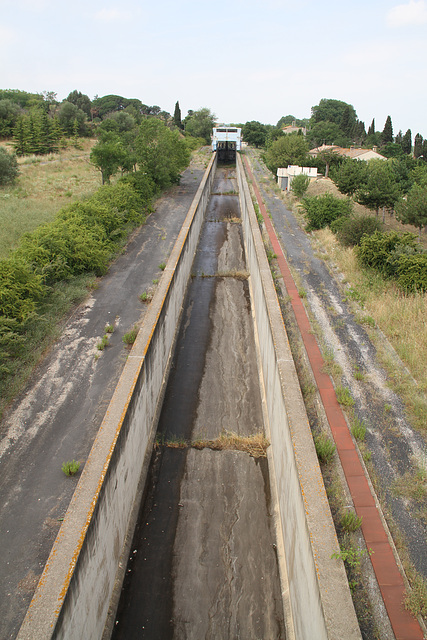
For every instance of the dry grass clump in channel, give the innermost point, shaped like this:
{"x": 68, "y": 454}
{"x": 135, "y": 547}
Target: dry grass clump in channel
{"x": 255, "y": 445}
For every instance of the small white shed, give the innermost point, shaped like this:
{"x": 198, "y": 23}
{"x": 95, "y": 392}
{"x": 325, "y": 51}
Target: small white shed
{"x": 285, "y": 176}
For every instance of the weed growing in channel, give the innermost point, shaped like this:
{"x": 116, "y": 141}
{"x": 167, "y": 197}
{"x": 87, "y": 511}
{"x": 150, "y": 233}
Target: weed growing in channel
{"x": 130, "y": 337}
{"x": 146, "y": 296}
{"x": 103, "y": 343}
{"x": 162, "y": 266}
{"x": 71, "y": 467}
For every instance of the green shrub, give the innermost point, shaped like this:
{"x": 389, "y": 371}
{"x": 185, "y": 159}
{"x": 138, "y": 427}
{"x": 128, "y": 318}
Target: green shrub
{"x": 8, "y": 167}
{"x": 194, "y": 143}
{"x": 337, "y": 224}
{"x": 20, "y": 288}
{"x": 321, "y": 211}
{"x": 376, "y": 250}
{"x": 124, "y": 198}
{"x": 396, "y": 256}
{"x": 352, "y": 229}
{"x": 299, "y": 185}
{"x": 143, "y": 185}
{"x": 412, "y": 272}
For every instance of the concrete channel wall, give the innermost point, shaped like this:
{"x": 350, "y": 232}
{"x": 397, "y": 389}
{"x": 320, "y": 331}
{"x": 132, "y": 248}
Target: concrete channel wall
{"x": 320, "y": 599}
{"x": 74, "y": 592}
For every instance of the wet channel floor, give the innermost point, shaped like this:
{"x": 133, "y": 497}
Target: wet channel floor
{"x": 203, "y": 562}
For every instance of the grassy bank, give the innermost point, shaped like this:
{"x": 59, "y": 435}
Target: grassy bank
{"x": 45, "y": 184}
{"x": 402, "y": 318}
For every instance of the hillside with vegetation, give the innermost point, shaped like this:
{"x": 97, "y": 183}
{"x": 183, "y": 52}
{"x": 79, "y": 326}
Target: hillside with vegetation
{"x": 75, "y": 178}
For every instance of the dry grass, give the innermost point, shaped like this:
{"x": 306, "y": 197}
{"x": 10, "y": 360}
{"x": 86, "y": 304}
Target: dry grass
{"x": 45, "y": 184}
{"x": 402, "y": 318}
{"x": 255, "y": 445}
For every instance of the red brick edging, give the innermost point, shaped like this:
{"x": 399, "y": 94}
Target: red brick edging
{"x": 405, "y": 625}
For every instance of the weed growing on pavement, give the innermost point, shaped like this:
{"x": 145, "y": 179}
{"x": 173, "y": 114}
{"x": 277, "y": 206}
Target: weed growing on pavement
{"x": 344, "y": 396}
{"x": 416, "y": 597}
{"x": 162, "y": 266}
{"x": 358, "y": 429}
{"x": 412, "y": 485}
{"x": 71, "y": 467}
{"x": 358, "y": 375}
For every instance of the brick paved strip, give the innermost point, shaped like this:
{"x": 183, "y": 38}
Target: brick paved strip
{"x": 405, "y": 626}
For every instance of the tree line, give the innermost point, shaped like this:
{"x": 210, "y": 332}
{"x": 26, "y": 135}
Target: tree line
{"x": 334, "y": 122}
{"x": 39, "y": 123}
{"x": 84, "y": 236}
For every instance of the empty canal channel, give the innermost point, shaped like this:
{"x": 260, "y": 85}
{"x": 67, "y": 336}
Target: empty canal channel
{"x": 203, "y": 559}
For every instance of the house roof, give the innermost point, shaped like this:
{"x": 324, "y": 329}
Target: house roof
{"x": 352, "y": 152}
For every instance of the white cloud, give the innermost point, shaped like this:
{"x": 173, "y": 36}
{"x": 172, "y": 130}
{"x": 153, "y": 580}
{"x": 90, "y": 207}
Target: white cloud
{"x": 112, "y": 15}
{"x": 413, "y": 13}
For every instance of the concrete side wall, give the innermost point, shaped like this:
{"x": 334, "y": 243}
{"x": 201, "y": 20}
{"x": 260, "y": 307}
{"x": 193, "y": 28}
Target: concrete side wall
{"x": 73, "y": 595}
{"x": 320, "y": 599}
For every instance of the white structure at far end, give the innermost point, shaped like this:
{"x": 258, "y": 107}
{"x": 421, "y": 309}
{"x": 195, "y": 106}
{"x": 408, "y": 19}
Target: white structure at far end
{"x": 285, "y": 176}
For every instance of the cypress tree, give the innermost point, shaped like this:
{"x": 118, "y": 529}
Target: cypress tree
{"x": 407, "y": 142}
{"x": 387, "y": 135}
{"x": 371, "y": 129}
{"x": 19, "y": 137}
{"x": 177, "y": 116}
{"x": 418, "y": 146}
{"x": 399, "y": 138}
{"x": 345, "y": 123}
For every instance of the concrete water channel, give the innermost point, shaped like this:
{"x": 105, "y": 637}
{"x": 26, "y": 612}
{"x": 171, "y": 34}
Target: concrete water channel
{"x": 203, "y": 560}
{"x": 213, "y": 351}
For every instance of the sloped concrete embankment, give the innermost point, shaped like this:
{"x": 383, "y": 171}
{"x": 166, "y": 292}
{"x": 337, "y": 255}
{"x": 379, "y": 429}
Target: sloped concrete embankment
{"x": 73, "y": 595}
{"x": 320, "y": 599}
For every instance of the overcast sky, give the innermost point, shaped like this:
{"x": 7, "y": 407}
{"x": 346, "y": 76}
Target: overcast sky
{"x": 243, "y": 59}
